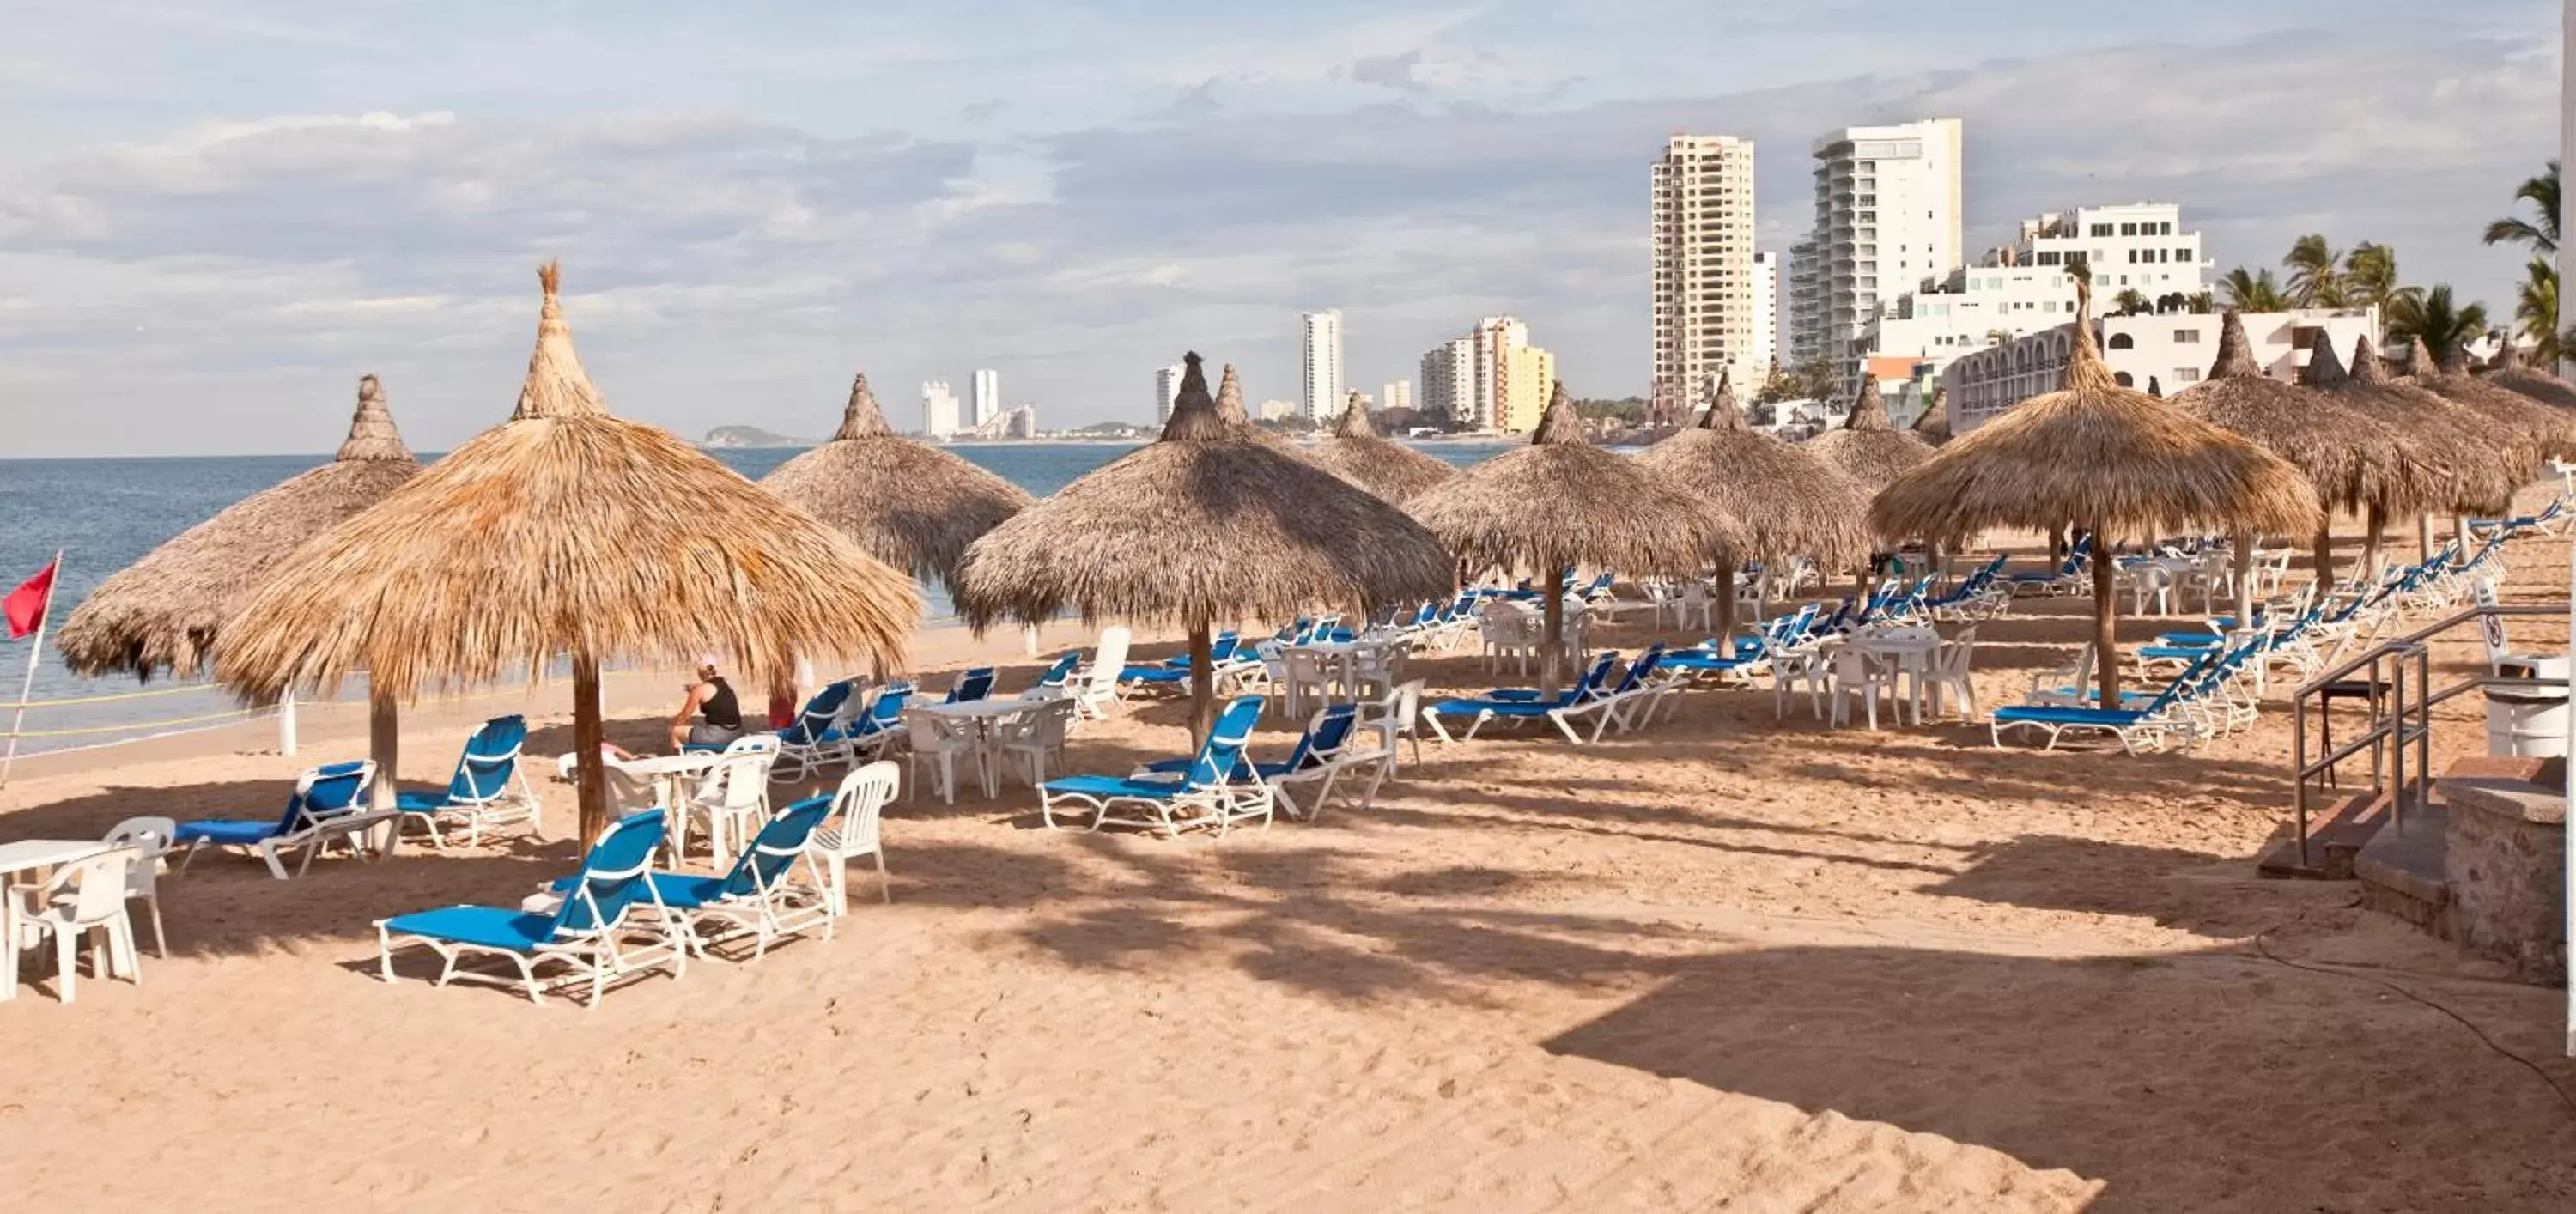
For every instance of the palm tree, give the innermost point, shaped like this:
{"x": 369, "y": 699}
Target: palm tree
{"x": 2370, "y": 276}
{"x": 2542, "y": 193}
{"x": 2536, "y": 308}
{"x": 2129, "y": 302}
{"x": 2252, "y": 291}
{"x": 2314, "y": 280}
{"x": 2433, "y": 316}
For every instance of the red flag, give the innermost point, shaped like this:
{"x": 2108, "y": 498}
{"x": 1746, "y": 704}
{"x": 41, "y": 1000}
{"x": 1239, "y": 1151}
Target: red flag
{"x": 25, "y": 606}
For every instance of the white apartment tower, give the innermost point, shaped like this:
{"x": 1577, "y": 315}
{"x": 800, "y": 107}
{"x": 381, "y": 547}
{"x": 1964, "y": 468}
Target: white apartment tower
{"x": 1398, "y": 394}
{"x": 938, "y": 409}
{"x": 1887, "y": 218}
{"x": 1167, "y": 388}
{"x": 1494, "y": 340}
{"x": 1766, "y": 318}
{"x": 1323, "y": 399}
{"x": 1704, "y": 281}
{"x": 1803, "y": 322}
{"x": 986, "y": 396}
{"x": 1449, "y": 380}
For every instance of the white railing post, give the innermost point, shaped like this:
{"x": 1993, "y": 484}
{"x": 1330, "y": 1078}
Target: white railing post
{"x": 286, "y": 724}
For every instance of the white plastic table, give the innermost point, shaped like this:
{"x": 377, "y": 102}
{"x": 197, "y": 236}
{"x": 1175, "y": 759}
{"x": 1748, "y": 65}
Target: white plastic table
{"x": 980, "y": 716}
{"x": 1910, "y": 650}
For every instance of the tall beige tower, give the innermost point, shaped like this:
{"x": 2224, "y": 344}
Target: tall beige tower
{"x": 1705, "y": 306}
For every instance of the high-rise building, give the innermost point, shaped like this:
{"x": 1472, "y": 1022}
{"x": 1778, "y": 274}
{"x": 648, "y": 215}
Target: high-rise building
{"x": 1489, "y": 392}
{"x": 1399, "y": 394}
{"x": 1766, "y": 317}
{"x": 1449, "y": 380}
{"x": 1323, "y": 364}
{"x": 1805, "y": 321}
{"x": 1277, "y": 410}
{"x": 1529, "y": 379}
{"x": 986, "y": 395}
{"x": 938, "y": 409}
{"x": 1167, "y": 388}
{"x": 1887, "y": 218}
{"x": 1021, "y": 422}
{"x": 1703, "y": 237}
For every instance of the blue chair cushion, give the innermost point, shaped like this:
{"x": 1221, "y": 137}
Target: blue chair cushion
{"x": 488, "y": 926}
{"x": 1114, "y": 786}
{"x": 1500, "y": 708}
{"x": 225, "y": 830}
{"x": 422, "y": 802}
{"x": 2050, "y": 714}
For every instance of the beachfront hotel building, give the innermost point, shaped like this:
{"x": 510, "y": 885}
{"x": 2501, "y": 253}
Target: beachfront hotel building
{"x": 1398, "y": 394}
{"x": 2022, "y": 287}
{"x": 1802, "y": 320}
{"x": 938, "y": 409}
{"x": 1449, "y": 380}
{"x": 2166, "y": 351}
{"x": 985, "y": 394}
{"x": 1888, "y": 216}
{"x": 1766, "y": 318}
{"x": 1167, "y": 388}
{"x": 1704, "y": 302}
{"x": 1323, "y": 364}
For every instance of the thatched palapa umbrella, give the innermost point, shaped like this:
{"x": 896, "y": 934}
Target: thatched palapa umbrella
{"x": 564, "y": 529}
{"x": 2550, "y": 432}
{"x": 1867, "y": 447}
{"x": 2485, "y": 467}
{"x": 1390, "y": 470}
{"x": 1934, "y": 425}
{"x": 906, "y": 503}
{"x": 165, "y": 612}
{"x": 1561, "y": 502}
{"x": 2507, "y": 370}
{"x": 2096, "y": 455}
{"x": 1780, "y": 500}
{"x": 1208, "y": 524}
{"x": 2354, "y": 460}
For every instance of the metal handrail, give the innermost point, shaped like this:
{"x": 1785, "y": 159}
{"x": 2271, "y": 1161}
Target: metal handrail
{"x": 2391, "y": 730}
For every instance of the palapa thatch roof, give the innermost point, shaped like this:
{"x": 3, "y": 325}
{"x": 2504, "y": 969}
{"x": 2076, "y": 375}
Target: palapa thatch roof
{"x": 1390, "y": 470}
{"x": 1934, "y": 425}
{"x": 2479, "y": 470}
{"x": 564, "y": 529}
{"x": 2096, "y": 455}
{"x": 164, "y": 612}
{"x": 1867, "y": 447}
{"x": 1208, "y": 525}
{"x": 1230, "y": 410}
{"x": 1561, "y": 502}
{"x": 2550, "y": 432}
{"x": 906, "y": 503}
{"x": 2351, "y": 458}
{"x": 1780, "y": 500}
{"x": 2507, "y": 370}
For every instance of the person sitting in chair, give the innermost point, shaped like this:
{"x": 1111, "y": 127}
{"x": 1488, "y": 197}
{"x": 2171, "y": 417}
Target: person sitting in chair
{"x": 710, "y": 699}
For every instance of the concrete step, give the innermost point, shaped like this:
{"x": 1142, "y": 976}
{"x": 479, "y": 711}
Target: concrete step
{"x": 2400, "y": 870}
{"x": 2334, "y": 838}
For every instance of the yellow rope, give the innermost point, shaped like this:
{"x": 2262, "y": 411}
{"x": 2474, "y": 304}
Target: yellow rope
{"x": 132, "y": 725}
{"x": 128, "y": 695}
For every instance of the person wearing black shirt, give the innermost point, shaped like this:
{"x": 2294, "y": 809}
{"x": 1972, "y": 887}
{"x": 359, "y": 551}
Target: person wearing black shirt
{"x": 710, "y": 700}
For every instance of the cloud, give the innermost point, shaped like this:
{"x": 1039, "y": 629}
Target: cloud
{"x": 1389, "y": 71}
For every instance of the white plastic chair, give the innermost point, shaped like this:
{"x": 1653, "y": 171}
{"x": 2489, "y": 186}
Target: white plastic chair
{"x": 1948, "y": 672}
{"x": 1508, "y": 632}
{"x": 733, "y": 799}
{"x": 1695, "y": 601}
{"x": 1097, "y": 689}
{"x": 1033, "y": 738}
{"x": 87, "y": 895}
{"x": 853, "y": 830}
{"x": 1305, "y": 681}
{"x": 2150, "y": 582}
{"x": 150, "y": 839}
{"x": 940, "y": 740}
{"x": 1378, "y": 669}
{"x": 1859, "y": 674}
{"x": 1397, "y": 715}
{"x": 1797, "y": 668}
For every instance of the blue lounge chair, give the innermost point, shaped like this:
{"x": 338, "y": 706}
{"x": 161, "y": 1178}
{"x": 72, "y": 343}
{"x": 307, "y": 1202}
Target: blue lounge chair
{"x": 874, "y": 732}
{"x": 1519, "y": 704}
{"x": 1324, "y": 738}
{"x": 2066, "y": 578}
{"x": 488, "y": 788}
{"x": 1211, "y": 793}
{"x": 1061, "y": 673}
{"x": 758, "y": 896}
{"x": 608, "y": 926}
{"x": 818, "y": 734}
{"x": 1174, "y": 672}
{"x": 329, "y": 802}
{"x": 2146, "y": 725}
{"x": 973, "y": 684}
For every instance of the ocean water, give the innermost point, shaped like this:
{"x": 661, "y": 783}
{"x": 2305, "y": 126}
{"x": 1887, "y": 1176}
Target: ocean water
{"x": 105, "y": 514}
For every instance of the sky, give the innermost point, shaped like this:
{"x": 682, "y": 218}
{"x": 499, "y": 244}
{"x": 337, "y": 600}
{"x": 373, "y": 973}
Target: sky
{"x": 215, "y": 215}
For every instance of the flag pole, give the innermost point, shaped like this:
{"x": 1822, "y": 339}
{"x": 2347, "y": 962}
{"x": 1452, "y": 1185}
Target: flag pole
{"x": 27, "y": 687}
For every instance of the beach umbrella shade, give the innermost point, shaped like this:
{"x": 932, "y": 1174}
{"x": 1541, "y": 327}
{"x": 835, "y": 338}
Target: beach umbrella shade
{"x": 1230, "y": 410}
{"x": 2507, "y": 370}
{"x": 1559, "y": 503}
{"x": 1779, "y": 500}
{"x": 906, "y": 503}
{"x": 2106, "y": 458}
{"x": 165, "y": 613}
{"x": 1390, "y": 470}
{"x": 2484, "y": 466}
{"x": 1934, "y": 426}
{"x": 2353, "y": 460}
{"x": 1866, "y": 447}
{"x": 564, "y": 530}
{"x": 2550, "y": 432}
{"x": 1209, "y": 524}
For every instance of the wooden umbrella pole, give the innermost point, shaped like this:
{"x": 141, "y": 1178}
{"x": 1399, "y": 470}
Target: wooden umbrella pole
{"x": 1725, "y": 608}
{"x": 2375, "y": 520}
{"x": 2325, "y": 554}
{"x": 1202, "y": 684}
{"x": 1552, "y": 635}
{"x": 2244, "y": 563}
{"x": 2423, "y": 537}
{"x": 586, "y": 739}
{"x": 2106, "y": 650}
{"x": 384, "y": 745}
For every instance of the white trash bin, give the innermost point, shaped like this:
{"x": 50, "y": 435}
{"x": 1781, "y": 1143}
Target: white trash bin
{"x": 2528, "y": 722}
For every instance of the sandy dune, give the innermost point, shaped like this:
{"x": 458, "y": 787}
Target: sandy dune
{"x": 1725, "y": 962}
